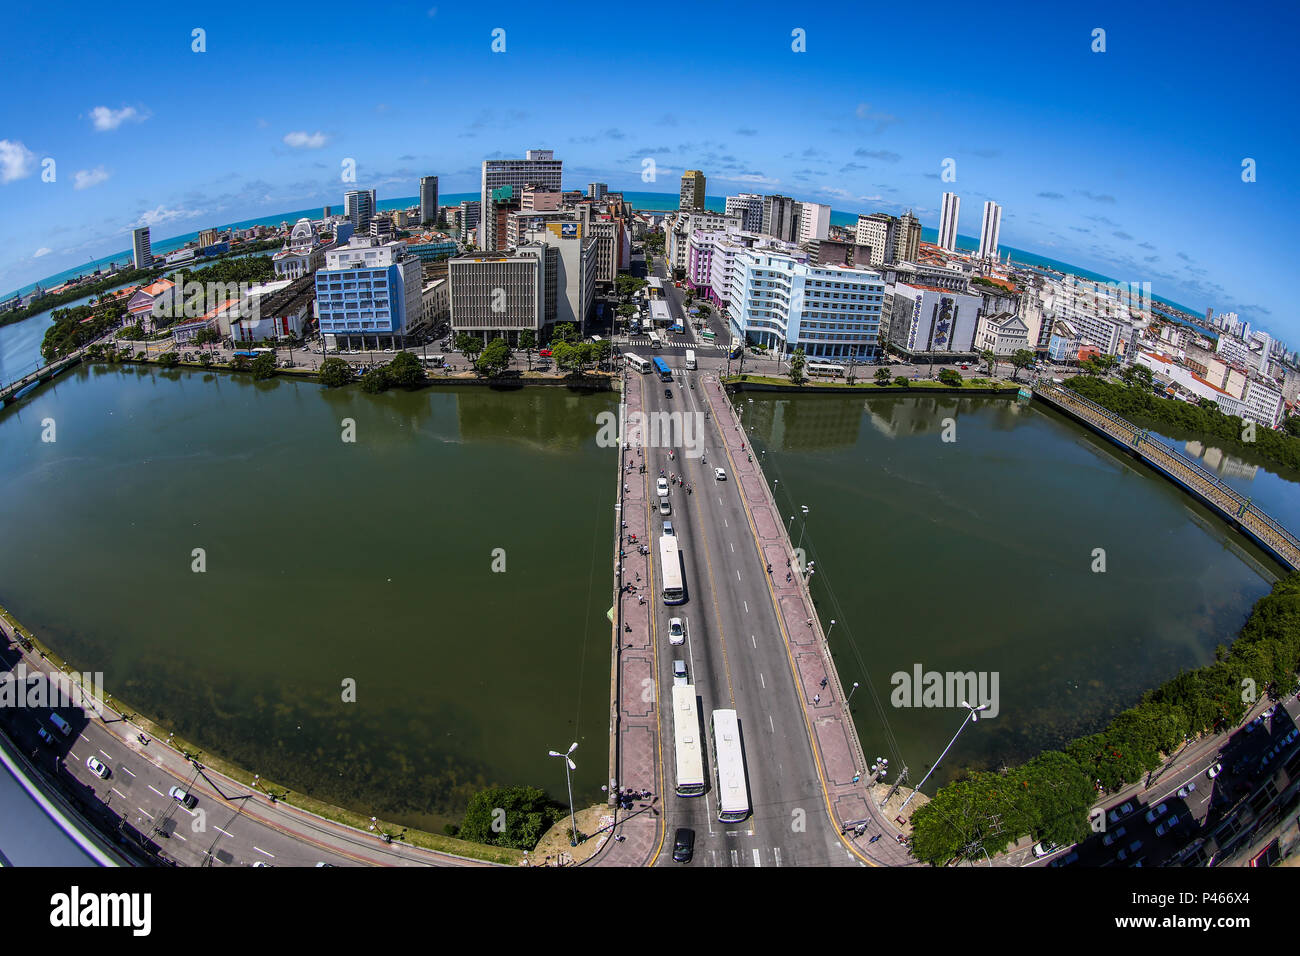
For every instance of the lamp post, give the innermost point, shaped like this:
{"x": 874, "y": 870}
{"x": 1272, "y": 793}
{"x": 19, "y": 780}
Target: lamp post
{"x": 570, "y": 765}
{"x": 848, "y": 700}
{"x": 805, "y": 524}
{"x": 829, "y": 629}
{"x": 970, "y": 718}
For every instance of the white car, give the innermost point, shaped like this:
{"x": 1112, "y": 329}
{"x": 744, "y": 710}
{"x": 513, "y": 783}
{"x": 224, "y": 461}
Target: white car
{"x": 1043, "y": 848}
{"x": 719, "y": 474}
{"x": 97, "y": 768}
{"x": 1214, "y": 771}
{"x": 679, "y": 672}
{"x": 183, "y": 797}
{"x": 676, "y": 633}
{"x": 662, "y": 487}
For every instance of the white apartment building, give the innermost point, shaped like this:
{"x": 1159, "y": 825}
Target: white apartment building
{"x": 749, "y": 207}
{"x": 1002, "y": 334}
{"x": 831, "y": 312}
{"x": 720, "y": 251}
{"x": 928, "y": 320}
{"x": 948, "y": 217}
{"x": 679, "y": 226}
{"x": 880, "y": 232}
{"x": 814, "y": 221}
{"x": 990, "y": 228}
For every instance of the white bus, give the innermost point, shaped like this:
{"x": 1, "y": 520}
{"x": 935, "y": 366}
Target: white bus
{"x": 434, "y": 361}
{"x": 690, "y": 358}
{"x": 656, "y": 341}
{"x": 686, "y": 728}
{"x": 729, "y": 758}
{"x": 637, "y": 362}
{"x": 821, "y": 368}
{"x": 670, "y": 568}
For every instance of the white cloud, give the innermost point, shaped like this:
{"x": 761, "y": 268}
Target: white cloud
{"x": 160, "y": 215}
{"x": 300, "y": 139}
{"x": 107, "y": 119}
{"x": 16, "y": 161}
{"x": 42, "y": 251}
{"x": 755, "y": 178}
{"x": 85, "y": 178}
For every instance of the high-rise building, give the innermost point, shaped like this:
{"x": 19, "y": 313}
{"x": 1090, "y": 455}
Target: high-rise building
{"x": 781, "y": 218}
{"x": 428, "y": 200}
{"x": 907, "y": 243}
{"x": 539, "y": 167}
{"x": 948, "y": 221}
{"x": 879, "y": 231}
{"x": 692, "y": 195}
{"x": 328, "y": 211}
{"x": 749, "y": 207}
{"x": 597, "y": 190}
{"x": 141, "y": 252}
{"x": 989, "y": 229}
{"x": 207, "y": 237}
{"x": 359, "y": 208}
{"x": 814, "y": 221}
{"x": 503, "y": 294}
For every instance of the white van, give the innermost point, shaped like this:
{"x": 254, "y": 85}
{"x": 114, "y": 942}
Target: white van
{"x": 64, "y": 727}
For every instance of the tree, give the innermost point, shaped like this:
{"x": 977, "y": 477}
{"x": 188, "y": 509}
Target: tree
{"x": 469, "y": 345}
{"x": 990, "y": 360}
{"x": 528, "y": 814}
{"x": 625, "y": 285}
{"x": 528, "y": 342}
{"x": 950, "y": 377}
{"x": 882, "y": 376}
{"x": 565, "y": 332}
{"x": 1137, "y": 376}
{"x": 495, "y": 358}
{"x": 375, "y": 380}
{"x": 1021, "y": 358}
{"x": 169, "y": 360}
{"x": 405, "y": 371}
{"x": 600, "y": 351}
{"x": 1291, "y": 425}
{"x": 798, "y": 366}
{"x": 239, "y": 363}
{"x": 903, "y": 380}
{"x": 207, "y": 337}
{"x": 264, "y": 366}
{"x": 334, "y": 372}
{"x": 205, "y": 358}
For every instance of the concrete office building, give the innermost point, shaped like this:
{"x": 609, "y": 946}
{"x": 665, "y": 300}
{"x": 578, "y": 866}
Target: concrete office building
{"x": 814, "y": 221}
{"x": 359, "y": 208}
{"x": 495, "y": 294}
{"x": 692, "y": 194}
{"x": 927, "y": 321}
{"x": 597, "y": 190}
{"x": 534, "y": 198}
{"x": 575, "y": 267}
{"x": 948, "y": 218}
{"x": 368, "y": 292}
{"x": 880, "y": 232}
{"x": 539, "y": 167}
{"x": 907, "y": 239}
{"x": 830, "y": 312}
{"x": 141, "y": 254}
{"x": 428, "y": 200}
{"x": 749, "y": 207}
{"x": 781, "y": 218}
{"x": 990, "y": 227}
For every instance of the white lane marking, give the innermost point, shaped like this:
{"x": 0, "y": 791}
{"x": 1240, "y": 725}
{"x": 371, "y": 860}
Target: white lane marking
{"x": 746, "y": 603}
{"x": 179, "y": 837}
{"x": 83, "y": 737}
{"x": 118, "y": 792}
{"x": 156, "y": 790}
{"x": 73, "y": 755}
{"x": 146, "y": 813}
{"x": 776, "y": 852}
{"x": 758, "y": 857}
{"x": 106, "y": 755}
{"x": 735, "y": 858}
{"x": 762, "y": 680}
{"x": 737, "y": 574}
{"x": 724, "y": 520}
{"x": 770, "y": 724}
{"x": 733, "y": 547}
{"x": 124, "y": 770}
{"x": 263, "y": 852}
{"x": 226, "y": 832}
{"x": 753, "y": 642}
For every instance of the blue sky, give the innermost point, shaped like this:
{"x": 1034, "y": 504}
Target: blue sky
{"x": 1127, "y": 162}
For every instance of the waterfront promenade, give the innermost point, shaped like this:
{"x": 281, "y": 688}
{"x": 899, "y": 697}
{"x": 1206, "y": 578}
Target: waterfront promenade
{"x": 1209, "y": 488}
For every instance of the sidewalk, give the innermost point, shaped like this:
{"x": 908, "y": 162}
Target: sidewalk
{"x": 841, "y": 763}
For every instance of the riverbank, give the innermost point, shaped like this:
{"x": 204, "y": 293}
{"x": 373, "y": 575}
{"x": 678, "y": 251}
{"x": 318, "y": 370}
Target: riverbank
{"x": 764, "y": 383}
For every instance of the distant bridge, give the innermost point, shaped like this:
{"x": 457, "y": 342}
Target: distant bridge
{"x": 1185, "y": 472}
{"x": 10, "y": 392}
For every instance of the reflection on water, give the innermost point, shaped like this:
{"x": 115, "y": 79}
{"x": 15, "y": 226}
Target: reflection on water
{"x": 1219, "y": 462}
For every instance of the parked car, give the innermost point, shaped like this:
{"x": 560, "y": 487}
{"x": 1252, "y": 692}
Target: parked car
{"x": 1071, "y": 857}
{"x": 1214, "y": 771}
{"x": 1156, "y": 813}
{"x": 1167, "y": 826}
{"x": 544, "y": 353}
{"x": 676, "y": 633}
{"x": 1042, "y": 848}
{"x": 47, "y": 738}
{"x": 1120, "y": 812}
{"x": 1187, "y": 789}
{"x": 1113, "y": 835}
{"x": 97, "y": 767}
{"x": 1129, "y": 850}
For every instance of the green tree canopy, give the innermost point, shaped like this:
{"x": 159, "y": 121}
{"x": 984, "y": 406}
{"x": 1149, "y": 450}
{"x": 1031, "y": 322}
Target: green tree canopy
{"x": 375, "y": 380}
{"x": 405, "y": 370}
{"x": 950, "y": 377}
{"x": 798, "y": 367}
{"x": 495, "y": 358}
{"x": 528, "y": 814}
{"x": 565, "y": 332}
{"x": 264, "y": 366}
{"x": 469, "y": 345}
{"x": 169, "y": 360}
{"x": 334, "y": 372}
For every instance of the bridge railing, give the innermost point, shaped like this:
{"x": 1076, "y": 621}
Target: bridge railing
{"x": 1246, "y": 510}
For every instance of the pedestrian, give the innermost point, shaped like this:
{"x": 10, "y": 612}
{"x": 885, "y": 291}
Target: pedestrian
{"x": 640, "y": 599}
{"x": 787, "y": 577}
{"x": 769, "y": 568}
{"x": 823, "y": 683}
{"x": 817, "y": 698}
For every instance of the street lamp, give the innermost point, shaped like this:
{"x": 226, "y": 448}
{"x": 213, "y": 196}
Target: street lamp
{"x": 848, "y": 700}
{"x": 829, "y": 629}
{"x": 805, "y": 524}
{"x": 970, "y": 718}
{"x": 569, "y": 765}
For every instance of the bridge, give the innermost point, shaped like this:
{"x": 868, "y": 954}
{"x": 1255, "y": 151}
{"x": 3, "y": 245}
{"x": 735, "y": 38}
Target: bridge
{"x": 1188, "y": 474}
{"x": 10, "y": 391}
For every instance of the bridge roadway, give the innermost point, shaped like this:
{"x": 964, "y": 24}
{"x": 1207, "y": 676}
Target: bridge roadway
{"x": 1238, "y": 510}
{"x": 748, "y": 647}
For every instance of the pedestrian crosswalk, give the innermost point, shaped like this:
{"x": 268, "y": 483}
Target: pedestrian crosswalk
{"x": 640, "y": 341}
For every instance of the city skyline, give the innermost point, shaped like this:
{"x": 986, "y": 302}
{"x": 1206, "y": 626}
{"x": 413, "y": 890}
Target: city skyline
{"x": 1060, "y": 160}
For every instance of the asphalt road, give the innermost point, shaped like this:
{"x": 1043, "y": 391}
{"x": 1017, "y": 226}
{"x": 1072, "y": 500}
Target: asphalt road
{"x": 736, "y": 657}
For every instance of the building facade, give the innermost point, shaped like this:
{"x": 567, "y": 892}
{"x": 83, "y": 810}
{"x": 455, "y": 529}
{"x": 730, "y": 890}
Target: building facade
{"x": 948, "y": 217}
{"x": 539, "y": 167}
{"x": 749, "y": 208}
{"x": 927, "y": 321}
{"x": 141, "y": 253}
{"x": 781, "y": 218}
{"x": 428, "y": 200}
{"x": 692, "y": 194}
{"x": 814, "y": 221}
{"x": 359, "y": 209}
{"x": 367, "y": 292}
{"x": 990, "y": 229}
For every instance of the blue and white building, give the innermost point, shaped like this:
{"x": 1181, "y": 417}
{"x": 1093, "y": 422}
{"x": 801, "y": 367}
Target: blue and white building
{"x": 831, "y": 312}
{"x": 369, "y": 293}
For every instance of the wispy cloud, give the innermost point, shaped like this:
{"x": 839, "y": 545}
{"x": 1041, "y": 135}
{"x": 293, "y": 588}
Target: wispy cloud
{"x": 161, "y": 214}
{"x": 1095, "y": 197}
{"x": 746, "y": 131}
{"x": 103, "y": 118}
{"x": 879, "y": 117}
{"x": 300, "y": 139}
{"x": 42, "y": 251}
{"x": 884, "y": 155}
{"x": 16, "y": 161}
{"x": 85, "y": 178}
{"x": 1051, "y": 196}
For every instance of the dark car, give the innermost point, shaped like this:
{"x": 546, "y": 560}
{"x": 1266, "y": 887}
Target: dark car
{"x": 668, "y": 393}
{"x": 683, "y": 845}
